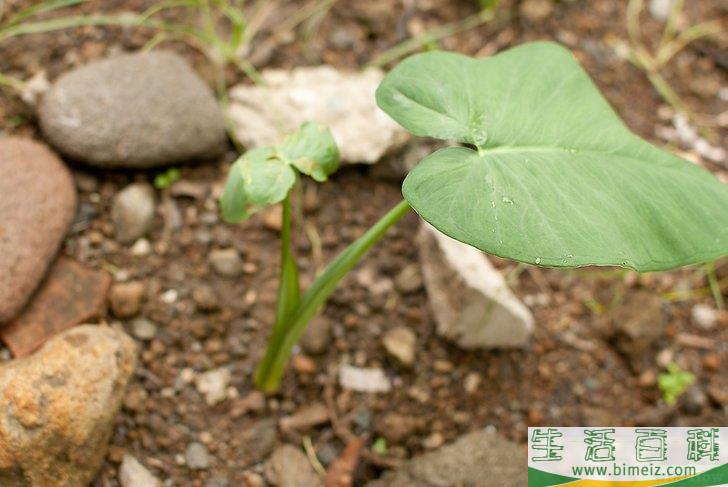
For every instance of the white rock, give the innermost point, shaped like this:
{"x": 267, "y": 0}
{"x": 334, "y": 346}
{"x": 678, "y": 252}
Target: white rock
{"x": 134, "y": 474}
{"x": 363, "y": 380}
{"x": 660, "y": 9}
{"x": 704, "y": 316}
{"x": 132, "y": 212}
{"x": 262, "y": 115}
{"x": 470, "y": 299}
{"x": 213, "y": 385}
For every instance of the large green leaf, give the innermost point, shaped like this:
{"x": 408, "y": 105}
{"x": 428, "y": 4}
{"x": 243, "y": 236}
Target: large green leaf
{"x": 555, "y": 177}
{"x": 312, "y": 150}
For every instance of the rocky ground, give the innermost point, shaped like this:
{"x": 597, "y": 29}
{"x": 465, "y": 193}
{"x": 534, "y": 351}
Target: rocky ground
{"x": 391, "y": 373}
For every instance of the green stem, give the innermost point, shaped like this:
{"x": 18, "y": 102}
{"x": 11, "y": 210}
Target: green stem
{"x": 271, "y": 368}
{"x": 714, "y": 286}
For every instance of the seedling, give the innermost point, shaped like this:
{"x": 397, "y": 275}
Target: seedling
{"x": 546, "y": 174}
{"x": 167, "y": 178}
{"x": 674, "y": 382}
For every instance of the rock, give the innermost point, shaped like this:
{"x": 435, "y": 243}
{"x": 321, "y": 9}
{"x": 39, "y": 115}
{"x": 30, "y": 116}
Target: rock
{"x": 470, "y": 299}
{"x": 704, "y": 316}
{"x": 38, "y": 204}
{"x": 205, "y": 298}
{"x": 258, "y": 441}
{"x": 468, "y": 461}
{"x": 409, "y": 280}
{"x": 134, "y": 474}
{"x": 226, "y": 262}
{"x": 217, "y": 482}
{"x": 125, "y": 298}
{"x": 143, "y": 328}
{"x": 197, "y": 457}
{"x": 536, "y": 10}
{"x": 58, "y": 406}
{"x": 312, "y": 415}
{"x": 660, "y": 9}
{"x": 132, "y": 212}
{"x": 363, "y": 380}
{"x": 303, "y": 364}
{"x": 213, "y": 385}
{"x": 289, "y": 467}
{"x": 693, "y": 401}
{"x": 141, "y": 248}
{"x": 316, "y": 337}
{"x": 718, "y": 389}
{"x": 134, "y": 111}
{"x": 71, "y": 294}
{"x": 400, "y": 343}
{"x": 263, "y": 114}
{"x": 395, "y": 427}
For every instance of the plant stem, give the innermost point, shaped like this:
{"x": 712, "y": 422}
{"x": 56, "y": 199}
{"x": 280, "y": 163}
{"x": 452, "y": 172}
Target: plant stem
{"x": 271, "y": 368}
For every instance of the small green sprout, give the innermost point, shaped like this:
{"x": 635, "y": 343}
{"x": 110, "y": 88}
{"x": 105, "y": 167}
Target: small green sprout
{"x": 167, "y": 178}
{"x": 674, "y": 382}
{"x": 380, "y": 446}
{"x": 545, "y": 174}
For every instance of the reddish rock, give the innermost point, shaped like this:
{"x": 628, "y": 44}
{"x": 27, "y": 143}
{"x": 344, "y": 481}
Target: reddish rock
{"x": 71, "y": 294}
{"x": 37, "y": 204}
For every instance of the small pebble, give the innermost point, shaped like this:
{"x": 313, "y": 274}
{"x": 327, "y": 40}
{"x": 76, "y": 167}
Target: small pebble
{"x": 197, "y": 457}
{"x": 226, "y": 262}
{"x": 143, "y": 328}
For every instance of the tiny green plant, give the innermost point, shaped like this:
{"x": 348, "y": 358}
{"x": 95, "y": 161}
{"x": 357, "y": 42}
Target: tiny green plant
{"x": 167, "y": 178}
{"x": 674, "y": 382}
{"x": 546, "y": 174}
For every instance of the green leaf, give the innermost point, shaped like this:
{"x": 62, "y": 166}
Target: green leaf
{"x": 233, "y": 202}
{"x": 267, "y": 179}
{"x": 557, "y": 179}
{"x": 312, "y": 150}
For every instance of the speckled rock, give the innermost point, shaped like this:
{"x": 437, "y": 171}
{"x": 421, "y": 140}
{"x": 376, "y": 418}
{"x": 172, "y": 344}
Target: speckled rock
{"x": 134, "y": 110}
{"x": 37, "y": 204}
{"x": 57, "y": 407}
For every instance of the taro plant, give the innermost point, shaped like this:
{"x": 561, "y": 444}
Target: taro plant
{"x": 546, "y": 174}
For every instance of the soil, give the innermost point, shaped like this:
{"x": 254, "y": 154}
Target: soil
{"x": 575, "y": 372}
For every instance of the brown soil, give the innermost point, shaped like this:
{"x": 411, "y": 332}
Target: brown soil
{"x": 573, "y": 374}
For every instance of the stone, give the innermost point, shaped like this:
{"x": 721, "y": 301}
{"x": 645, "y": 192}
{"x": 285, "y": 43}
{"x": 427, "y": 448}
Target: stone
{"x": 133, "y": 111}
{"x": 226, "y": 262}
{"x": 409, "y": 279}
{"x": 132, "y": 212}
{"x": 467, "y": 461}
{"x": 143, "y": 329}
{"x": 704, "y": 316}
{"x": 205, "y": 298}
{"x": 660, "y": 9}
{"x": 197, "y": 457}
{"x": 133, "y": 474}
{"x": 363, "y": 380}
{"x": 125, "y": 298}
{"x": 400, "y": 343}
{"x": 536, "y": 10}
{"x": 258, "y": 441}
{"x": 344, "y": 101}
{"x": 71, "y": 294}
{"x": 38, "y": 204}
{"x": 58, "y": 407}
{"x": 469, "y": 298}
{"x": 213, "y": 385}
{"x": 289, "y": 467}
{"x": 306, "y": 417}
{"x": 395, "y": 427}
{"x": 316, "y": 338}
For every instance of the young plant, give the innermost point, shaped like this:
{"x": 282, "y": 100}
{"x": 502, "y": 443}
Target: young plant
{"x": 674, "y": 382}
{"x": 546, "y": 174}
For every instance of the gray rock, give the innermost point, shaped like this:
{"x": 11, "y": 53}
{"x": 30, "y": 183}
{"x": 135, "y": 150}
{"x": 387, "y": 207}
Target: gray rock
{"x": 37, "y": 204}
{"x": 133, "y": 474}
{"x": 132, "y": 212}
{"x": 480, "y": 458}
{"x": 134, "y": 110}
{"x": 197, "y": 456}
{"x": 143, "y": 328}
{"x": 317, "y": 336}
{"x": 289, "y": 467}
{"x": 263, "y": 114}
{"x": 258, "y": 441}
{"x": 58, "y": 407}
{"x": 470, "y": 299}
{"x": 226, "y": 262}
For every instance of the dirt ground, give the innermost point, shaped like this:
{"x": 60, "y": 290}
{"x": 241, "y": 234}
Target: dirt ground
{"x": 582, "y": 367}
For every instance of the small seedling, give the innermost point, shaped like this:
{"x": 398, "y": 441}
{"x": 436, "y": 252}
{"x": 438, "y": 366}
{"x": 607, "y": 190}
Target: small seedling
{"x": 167, "y": 178}
{"x": 674, "y": 382}
{"x": 546, "y": 174}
